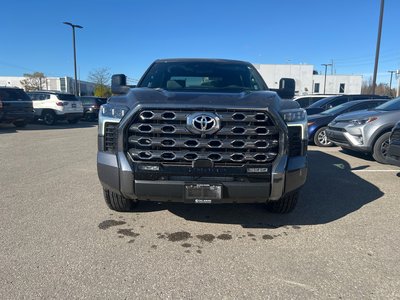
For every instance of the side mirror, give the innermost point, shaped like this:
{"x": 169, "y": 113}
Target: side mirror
{"x": 118, "y": 84}
{"x": 287, "y": 88}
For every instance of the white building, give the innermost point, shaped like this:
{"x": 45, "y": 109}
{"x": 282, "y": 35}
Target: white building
{"x": 62, "y": 84}
{"x": 307, "y": 82}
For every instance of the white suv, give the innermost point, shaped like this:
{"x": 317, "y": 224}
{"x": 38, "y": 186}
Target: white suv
{"x": 54, "y": 106}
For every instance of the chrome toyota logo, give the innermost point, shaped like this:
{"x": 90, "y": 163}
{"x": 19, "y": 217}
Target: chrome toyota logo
{"x": 203, "y": 123}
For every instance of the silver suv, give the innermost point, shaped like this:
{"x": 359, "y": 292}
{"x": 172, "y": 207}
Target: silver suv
{"x": 367, "y": 130}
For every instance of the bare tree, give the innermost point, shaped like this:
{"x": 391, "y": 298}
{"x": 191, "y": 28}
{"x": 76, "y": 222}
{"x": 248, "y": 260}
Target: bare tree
{"x": 381, "y": 88}
{"x": 101, "y": 78}
{"x": 34, "y": 81}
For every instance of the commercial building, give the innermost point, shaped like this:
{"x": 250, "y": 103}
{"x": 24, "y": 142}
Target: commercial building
{"x": 308, "y": 81}
{"x": 61, "y": 84}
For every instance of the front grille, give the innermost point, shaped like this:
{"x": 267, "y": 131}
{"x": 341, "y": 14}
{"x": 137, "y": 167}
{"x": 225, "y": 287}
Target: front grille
{"x": 295, "y": 144}
{"x": 110, "y": 136}
{"x": 337, "y": 129}
{"x": 163, "y": 136}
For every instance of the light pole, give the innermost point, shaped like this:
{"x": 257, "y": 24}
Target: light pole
{"x": 390, "y": 83}
{"x": 73, "y": 26}
{"x": 326, "y": 67}
{"x": 378, "y": 45}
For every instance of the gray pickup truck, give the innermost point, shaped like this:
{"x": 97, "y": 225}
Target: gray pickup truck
{"x": 201, "y": 131}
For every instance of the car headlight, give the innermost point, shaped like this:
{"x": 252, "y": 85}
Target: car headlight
{"x": 363, "y": 121}
{"x": 113, "y": 111}
{"x": 294, "y": 115}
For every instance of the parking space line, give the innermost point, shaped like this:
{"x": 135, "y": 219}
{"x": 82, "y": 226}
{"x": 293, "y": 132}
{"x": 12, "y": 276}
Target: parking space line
{"x": 398, "y": 171}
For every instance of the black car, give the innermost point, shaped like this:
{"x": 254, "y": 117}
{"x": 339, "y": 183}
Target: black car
{"x": 318, "y": 123}
{"x": 393, "y": 154}
{"x": 91, "y": 106}
{"x": 15, "y": 106}
{"x": 327, "y": 103}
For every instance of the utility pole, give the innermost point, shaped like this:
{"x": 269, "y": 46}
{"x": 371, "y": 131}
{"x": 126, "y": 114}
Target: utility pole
{"x": 73, "y": 26}
{"x": 326, "y": 67}
{"x": 378, "y": 45}
{"x": 390, "y": 82}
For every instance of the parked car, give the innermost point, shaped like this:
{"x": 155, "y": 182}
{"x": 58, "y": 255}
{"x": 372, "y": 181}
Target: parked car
{"x": 53, "y": 106}
{"x": 305, "y": 101}
{"x": 91, "y": 106}
{"x": 15, "y": 106}
{"x": 393, "y": 156}
{"x": 327, "y": 103}
{"x": 318, "y": 123}
{"x": 366, "y": 131}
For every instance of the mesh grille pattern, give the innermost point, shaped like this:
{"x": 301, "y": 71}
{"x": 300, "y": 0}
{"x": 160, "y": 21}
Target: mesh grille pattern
{"x": 163, "y": 136}
{"x": 110, "y": 134}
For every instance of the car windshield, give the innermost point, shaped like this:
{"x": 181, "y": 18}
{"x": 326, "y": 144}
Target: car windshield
{"x": 204, "y": 76}
{"x": 321, "y": 102}
{"x": 390, "y": 105}
{"x": 13, "y": 94}
{"x": 337, "y": 109}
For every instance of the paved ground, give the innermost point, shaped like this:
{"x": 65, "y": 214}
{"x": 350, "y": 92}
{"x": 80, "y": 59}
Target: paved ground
{"x": 59, "y": 240}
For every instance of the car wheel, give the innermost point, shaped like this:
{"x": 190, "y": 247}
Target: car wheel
{"x": 20, "y": 124}
{"x": 381, "y": 148}
{"x": 321, "y": 139}
{"x": 73, "y": 121}
{"x": 49, "y": 117}
{"x": 117, "y": 202}
{"x": 285, "y": 204}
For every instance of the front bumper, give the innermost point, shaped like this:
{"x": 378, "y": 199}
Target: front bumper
{"x": 350, "y": 140}
{"x": 168, "y": 184}
{"x": 393, "y": 156}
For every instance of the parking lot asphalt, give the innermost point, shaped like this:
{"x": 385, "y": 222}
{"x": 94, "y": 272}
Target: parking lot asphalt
{"x": 59, "y": 239}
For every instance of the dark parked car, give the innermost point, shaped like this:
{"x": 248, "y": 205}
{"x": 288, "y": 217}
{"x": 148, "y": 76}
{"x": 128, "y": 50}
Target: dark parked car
{"x": 393, "y": 156}
{"x": 366, "y": 131}
{"x": 306, "y": 101}
{"x": 91, "y": 107}
{"x": 333, "y": 101}
{"x": 318, "y": 123}
{"x": 15, "y": 106}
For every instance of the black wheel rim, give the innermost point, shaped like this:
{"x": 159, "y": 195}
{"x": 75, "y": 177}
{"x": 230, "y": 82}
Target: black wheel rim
{"x": 48, "y": 119}
{"x": 384, "y": 148}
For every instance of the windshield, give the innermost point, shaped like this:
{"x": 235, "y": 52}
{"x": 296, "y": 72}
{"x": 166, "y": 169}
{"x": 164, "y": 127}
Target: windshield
{"x": 337, "y": 109}
{"x": 390, "y": 105}
{"x": 204, "y": 76}
{"x": 321, "y": 102}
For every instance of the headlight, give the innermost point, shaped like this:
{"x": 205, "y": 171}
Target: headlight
{"x": 113, "y": 111}
{"x": 294, "y": 115}
{"x": 363, "y": 121}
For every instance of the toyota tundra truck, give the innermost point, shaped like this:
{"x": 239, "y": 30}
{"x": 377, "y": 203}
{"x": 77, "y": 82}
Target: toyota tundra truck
{"x": 201, "y": 131}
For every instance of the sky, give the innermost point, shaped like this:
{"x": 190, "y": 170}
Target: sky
{"x": 126, "y": 36}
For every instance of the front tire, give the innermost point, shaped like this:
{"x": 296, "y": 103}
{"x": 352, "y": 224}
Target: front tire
{"x": 117, "y": 202}
{"x": 321, "y": 139}
{"x": 381, "y": 147}
{"x": 285, "y": 204}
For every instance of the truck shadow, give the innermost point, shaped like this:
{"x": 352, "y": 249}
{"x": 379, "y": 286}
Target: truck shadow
{"x": 332, "y": 191}
{"x": 10, "y": 128}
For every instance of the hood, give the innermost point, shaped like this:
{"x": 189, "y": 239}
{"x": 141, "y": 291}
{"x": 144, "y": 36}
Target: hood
{"x": 319, "y": 117}
{"x": 185, "y": 99}
{"x": 362, "y": 114}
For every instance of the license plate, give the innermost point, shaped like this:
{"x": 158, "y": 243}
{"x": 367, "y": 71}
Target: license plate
{"x": 203, "y": 193}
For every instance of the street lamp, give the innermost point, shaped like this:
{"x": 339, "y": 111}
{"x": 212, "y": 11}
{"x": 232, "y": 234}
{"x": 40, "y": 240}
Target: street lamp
{"x": 326, "y": 66}
{"x": 73, "y": 26}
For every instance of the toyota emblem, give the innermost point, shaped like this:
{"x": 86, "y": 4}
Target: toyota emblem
{"x": 203, "y": 123}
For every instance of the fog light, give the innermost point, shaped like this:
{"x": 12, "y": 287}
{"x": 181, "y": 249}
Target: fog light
{"x": 257, "y": 170}
{"x": 149, "y": 168}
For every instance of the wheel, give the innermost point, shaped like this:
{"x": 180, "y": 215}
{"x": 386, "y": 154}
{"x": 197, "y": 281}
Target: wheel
{"x": 49, "y": 117}
{"x": 321, "y": 139}
{"x": 89, "y": 117}
{"x": 20, "y": 124}
{"x": 117, "y": 202}
{"x": 380, "y": 149}
{"x": 73, "y": 121}
{"x": 284, "y": 205}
